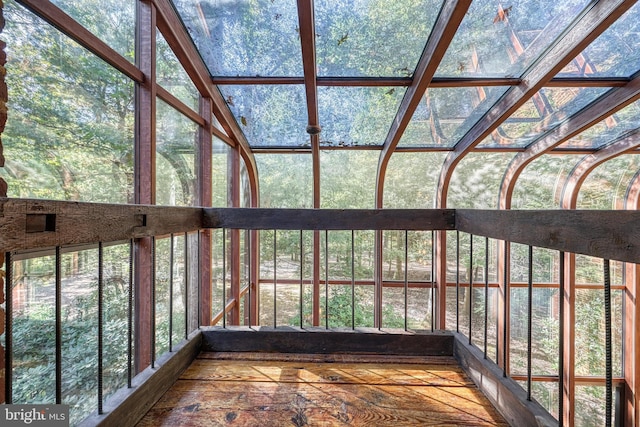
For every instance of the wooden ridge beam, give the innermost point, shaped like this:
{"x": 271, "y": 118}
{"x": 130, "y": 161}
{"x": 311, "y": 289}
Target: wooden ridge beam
{"x": 593, "y": 23}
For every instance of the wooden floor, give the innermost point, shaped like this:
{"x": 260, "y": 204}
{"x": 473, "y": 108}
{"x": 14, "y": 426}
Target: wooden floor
{"x": 321, "y": 390}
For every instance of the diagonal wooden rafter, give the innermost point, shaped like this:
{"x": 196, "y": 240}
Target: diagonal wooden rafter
{"x": 581, "y": 171}
{"x": 451, "y": 15}
{"x": 605, "y": 106}
{"x": 591, "y": 24}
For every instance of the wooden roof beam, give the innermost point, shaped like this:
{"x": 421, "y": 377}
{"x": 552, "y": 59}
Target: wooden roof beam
{"x": 592, "y": 23}
{"x": 607, "y": 105}
{"x": 308, "y": 44}
{"x": 451, "y": 15}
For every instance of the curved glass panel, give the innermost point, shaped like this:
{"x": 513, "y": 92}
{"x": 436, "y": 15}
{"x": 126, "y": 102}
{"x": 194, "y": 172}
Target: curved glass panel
{"x": 412, "y": 179}
{"x": 446, "y": 114}
{"x": 361, "y": 37}
{"x": 539, "y": 186}
{"x": 113, "y": 21}
{"x": 175, "y": 157}
{"x": 348, "y": 179}
{"x": 498, "y": 39}
{"x": 606, "y": 186}
{"x": 352, "y": 116}
{"x": 286, "y": 180}
{"x": 600, "y": 60}
{"x": 70, "y": 130}
{"x": 269, "y": 116}
{"x": 171, "y": 76}
{"x": 544, "y": 111}
{"x": 607, "y": 130}
{"x": 245, "y": 37}
{"x": 475, "y": 183}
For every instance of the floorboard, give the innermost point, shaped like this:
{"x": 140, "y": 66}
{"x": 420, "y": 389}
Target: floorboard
{"x": 313, "y": 390}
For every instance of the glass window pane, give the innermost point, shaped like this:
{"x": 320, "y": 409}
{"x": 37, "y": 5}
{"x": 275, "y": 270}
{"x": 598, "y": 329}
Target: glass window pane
{"x": 113, "y": 21}
{"x": 600, "y": 60}
{"x": 543, "y": 112}
{"x": 245, "y": 38}
{"x": 504, "y": 39}
{"x": 412, "y": 179}
{"x": 220, "y": 174}
{"x": 353, "y": 116}
{"x": 445, "y": 114}
{"x": 540, "y": 185}
{"x": 361, "y": 37}
{"x": 70, "y": 131}
{"x": 348, "y": 179}
{"x": 270, "y": 115}
{"x": 475, "y": 183}
{"x": 171, "y": 75}
{"x": 607, "y": 130}
{"x": 606, "y": 186}
{"x": 175, "y": 157}
{"x": 286, "y": 180}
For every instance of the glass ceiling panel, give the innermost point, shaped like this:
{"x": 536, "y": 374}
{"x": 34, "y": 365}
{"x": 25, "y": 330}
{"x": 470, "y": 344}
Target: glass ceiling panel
{"x": 356, "y": 38}
{"x": 616, "y": 53}
{"x": 502, "y": 39}
{"x": 446, "y": 114}
{"x": 269, "y": 115}
{"x": 353, "y": 116}
{"x": 544, "y": 111}
{"x": 245, "y": 38}
{"x": 607, "y": 130}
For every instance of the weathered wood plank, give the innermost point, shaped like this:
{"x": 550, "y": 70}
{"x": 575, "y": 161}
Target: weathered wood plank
{"x": 294, "y": 393}
{"x": 295, "y": 340}
{"x": 504, "y": 393}
{"x": 330, "y": 219}
{"x": 603, "y": 234}
{"x": 71, "y": 223}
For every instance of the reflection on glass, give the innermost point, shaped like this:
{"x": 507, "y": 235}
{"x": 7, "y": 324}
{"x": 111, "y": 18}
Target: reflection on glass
{"x": 606, "y": 186}
{"x": 175, "y": 157}
{"x": 70, "y": 133}
{"x": 607, "y": 130}
{"x": 113, "y": 21}
{"x": 412, "y": 179}
{"x": 445, "y": 114}
{"x": 498, "y": 39}
{"x": 363, "y": 37}
{"x": 270, "y": 115}
{"x": 599, "y": 59}
{"x": 219, "y": 174}
{"x": 286, "y": 180}
{"x": 545, "y": 110}
{"x": 352, "y": 116}
{"x": 539, "y": 186}
{"x": 245, "y": 38}
{"x": 348, "y": 179}
{"x": 474, "y": 183}
{"x": 171, "y": 76}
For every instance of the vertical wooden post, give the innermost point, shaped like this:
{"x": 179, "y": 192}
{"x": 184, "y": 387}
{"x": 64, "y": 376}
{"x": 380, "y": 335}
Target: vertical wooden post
{"x": 568, "y": 379}
{"x": 315, "y": 153}
{"x": 144, "y": 173}
{"x": 503, "y": 304}
{"x": 441, "y": 279}
{"x": 378, "y": 280}
{"x": 204, "y": 164}
{"x": 234, "y": 250}
{"x": 3, "y": 193}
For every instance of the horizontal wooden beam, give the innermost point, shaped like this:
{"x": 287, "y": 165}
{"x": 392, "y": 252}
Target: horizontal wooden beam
{"x": 36, "y": 224}
{"x": 603, "y": 234}
{"x": 329, "y": 219}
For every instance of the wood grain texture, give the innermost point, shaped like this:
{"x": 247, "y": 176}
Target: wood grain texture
{"x": 330, "y": 219}
{"x": 294, "y": 393}
{"x": 81, "y": 223}
{"x": 603, "y": 234}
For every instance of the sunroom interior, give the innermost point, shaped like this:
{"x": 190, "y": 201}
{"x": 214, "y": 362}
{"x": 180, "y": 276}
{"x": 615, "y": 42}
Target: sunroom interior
{"x": 375, "y": 178}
